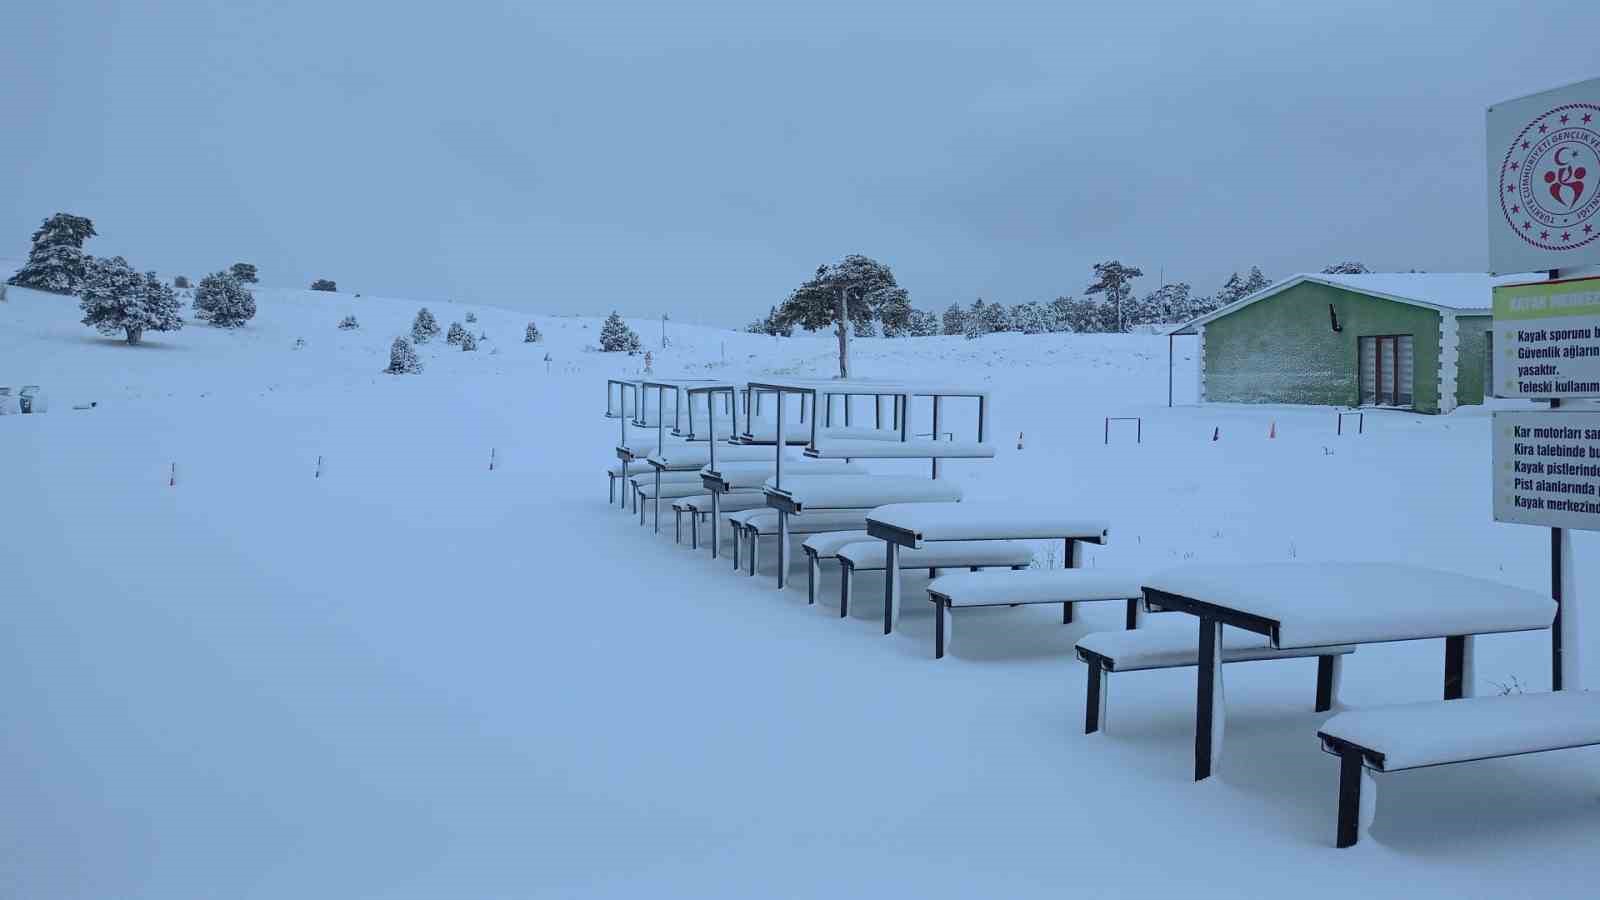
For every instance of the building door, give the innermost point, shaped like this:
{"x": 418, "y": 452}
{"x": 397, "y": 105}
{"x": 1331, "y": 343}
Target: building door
{"x": 1386, "y": 370}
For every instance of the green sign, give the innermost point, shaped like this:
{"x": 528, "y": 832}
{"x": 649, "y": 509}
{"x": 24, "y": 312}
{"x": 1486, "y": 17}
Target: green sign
{"x": 1547, "y": 339}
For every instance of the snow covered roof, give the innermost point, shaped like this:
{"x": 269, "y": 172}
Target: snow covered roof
{"x": 1457, "y": 292}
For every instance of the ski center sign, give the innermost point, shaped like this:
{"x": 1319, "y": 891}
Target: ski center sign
{"x": 1547, "y": 339}
{"x": 1544, "y": 180}
{"x": 1547, "y": 468}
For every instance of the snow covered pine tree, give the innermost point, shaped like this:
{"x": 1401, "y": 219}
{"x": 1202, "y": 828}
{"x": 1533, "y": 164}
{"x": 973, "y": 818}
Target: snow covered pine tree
{"x": 455, "y": 334}
{"x": 223, "y": 301}
{"x": 402, "y": 359}
{"x": 617, "y": 337}
{"x": 348, "y": 323}
{"x": 323, "y": 284}
{"x": 116, "y": 299}
{"x": 472, "y": 317}
{"x": 57, "y": 263}
{"x": 424, "y": 327}
{"x": 468, "y": 341}
{"x": 245, "y": 272}
{"x": 532, "y": 336}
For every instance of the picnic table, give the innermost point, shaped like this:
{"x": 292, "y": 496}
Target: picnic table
{"x": 1302, "y": 605}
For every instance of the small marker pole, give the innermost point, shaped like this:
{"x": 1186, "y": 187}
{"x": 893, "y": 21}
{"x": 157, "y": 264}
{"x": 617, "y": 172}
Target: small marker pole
{"x": 1019, "y": 440}
{"x": 172, "y": 476}
{"x": 319, "y": 467}
{"x": 1216, "y": 432}
{"x": 491, "y": 459}
{"x": 1273, "y": 431}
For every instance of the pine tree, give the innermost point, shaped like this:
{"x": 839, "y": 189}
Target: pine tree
{"x": 617, "y": 337}
{"x": 922, "y": 323}
{"x": 348, "y": 323}
{"x": 468, "y": 341}
{"x": 182, "y": 281}
{"x": 1237, "y": 288}
{"x": 472, "y": 317}
{"x": 223, "y": 301}
{"x": 244, "y": 272}
{"x": 1029, "y": 318}
{"x": 532, "y": 336}
{"x": 1348, "y": 267}
{"x": 57, "y": 262}
{"x": 454, "y": 336}
{"x": 116, "y": 299}
{"x": 1059, "y": 315}
{"x": 403, "y": 359}
{"x": 323, "y": 284}
{"x": 848, "y": 293}
{"x": 976, "y": 323}
{"x": 1115, "y": 280}
{"x": 424, "y": 328}
{"x": 955, "y": 319}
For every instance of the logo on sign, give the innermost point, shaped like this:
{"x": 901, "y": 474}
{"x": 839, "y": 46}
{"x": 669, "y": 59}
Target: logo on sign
{"x": 1550, "y": 179}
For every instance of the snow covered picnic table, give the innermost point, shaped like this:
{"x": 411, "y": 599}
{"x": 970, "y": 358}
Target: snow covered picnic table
{"x": 847, "y": 492}
{"x": 910, "y": 525}
{"x": 1301, "y": 605}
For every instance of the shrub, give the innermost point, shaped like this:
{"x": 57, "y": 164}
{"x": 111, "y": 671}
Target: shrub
{"x": 348, "y": 323}
{"x": 403, "y": 359}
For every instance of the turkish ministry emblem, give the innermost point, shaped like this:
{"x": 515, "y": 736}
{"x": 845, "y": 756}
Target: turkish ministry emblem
{"x": 1550, "y": 179}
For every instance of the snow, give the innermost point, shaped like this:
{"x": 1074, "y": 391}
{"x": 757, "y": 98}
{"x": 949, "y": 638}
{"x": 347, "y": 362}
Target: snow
{"x": 756, "y": 474}
{"x": 1461, "y": 291}
{"x": 1360, "y": 602}
{"x": 1038, "y": 586}
{"x": 908, "y": 449}
{"x": 1424, "y": 734}
{"x": 979, "y": 521}
{"x": 765, "y": 521}
{"x": 415, "y": 677}
{"x": 856, "y": 492}
{"x": 1166, "y": 644}
{"x": 872, "y": 554}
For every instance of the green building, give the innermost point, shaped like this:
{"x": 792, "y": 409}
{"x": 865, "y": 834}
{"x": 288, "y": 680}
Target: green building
{"x": 1417, "y": 341}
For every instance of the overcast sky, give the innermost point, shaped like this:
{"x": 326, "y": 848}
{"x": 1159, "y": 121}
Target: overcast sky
{"x": 701, "y": 158}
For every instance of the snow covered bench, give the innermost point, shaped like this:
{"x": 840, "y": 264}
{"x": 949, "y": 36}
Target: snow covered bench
{"x": 910, "y": 526}
{"x": 1440, "y": 733}
{"x": 823, "y": 546}
{"x": 1027, "y": 587}
{"x": 760, "y": 523}
{"x": 873, "y": 556}
{"x": 701, "y": 505}
{"x": 1175, "y": 648}
{"x": 835, "y": 493}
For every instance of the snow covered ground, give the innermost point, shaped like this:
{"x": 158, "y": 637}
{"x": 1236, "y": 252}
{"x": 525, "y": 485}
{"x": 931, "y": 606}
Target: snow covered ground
{"x": 416, "y": 677}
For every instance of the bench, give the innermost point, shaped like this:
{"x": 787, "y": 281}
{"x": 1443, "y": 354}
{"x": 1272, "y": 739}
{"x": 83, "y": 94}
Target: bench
{"x": 873, "y": 556}
{"x": 832, "y": 492}
{"x": 1175, "y": 648}
{"x": 1440, "y": 733}
{"x": 1032, "y": 586}
{"x": 700, "y": 505}
{"x": 760, "y": 523}
{"x": 917, "y": 448}
{"x": 823, "y": 546}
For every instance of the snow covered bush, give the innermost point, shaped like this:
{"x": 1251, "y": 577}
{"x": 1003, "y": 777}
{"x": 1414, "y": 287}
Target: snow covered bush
{"x": 182, "y": 281}
{"x": 57, "y": 262}
{"x": 532, "y": 336}
{"x": 472, "y": 317}
{"x": 223, "y": 301}
{"x": 348, "y": 323}
{"x": 955, "y": 319}
{"x": 455, "y": 334}
{"x": 323, "y": 284}
{"x": 424, "y": 327}
{"x": 468, "y": 341}
{"x": 245, "y": 272}
{"x": 922, "y": 323}
{"x": 403, "y": 359}
{"x": 617, "y": 337}
{"x": 116, "y": 299}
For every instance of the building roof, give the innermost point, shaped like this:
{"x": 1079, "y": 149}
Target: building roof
{"x": 1454, "y": 292}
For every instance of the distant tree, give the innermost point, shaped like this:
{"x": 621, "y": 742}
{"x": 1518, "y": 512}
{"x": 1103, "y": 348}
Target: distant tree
{"x": 454, "y": 336}
{"x": 57, "y": 263}
{"x": 954, "y": 319}
{"x": 1236, "y": 288}
{"x": 532, "y": 336}
{"x": 323, "y": 284}
{"x": 1059, "y": 315}
{"x": 116, "y": 299}
{"x": 182, "y": 281}
{"x": 223, "y": 301}
{"x": 348, "y": 323}
{"x": 1115, "y": 280}
{"x": 847, "y": 293}
{"x": 1348, "y": 267}
{"x": 922, "y": 323}
{"x": 424, "y": 327}
{"x": 894, "y": 311}
{"x": 994, "y": 316}
{"x": 1169, "y": 303}
{"x": 770, "y": 324}
{"x": 617, "y": 337}
{"x": 868, "y": 329}
{"x": 1030, "y": 318}
{"x": 472, "y": 317}
{"x": 403, "y": 359}
{"x": 469, "y": 341}
{"x": 244, "y": 272}
{"x": 976, "y": 323}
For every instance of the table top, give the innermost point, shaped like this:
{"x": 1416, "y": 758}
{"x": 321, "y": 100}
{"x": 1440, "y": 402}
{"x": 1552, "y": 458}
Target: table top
{"x": 985, "y": 521}
{"x": 1314, "y": 604}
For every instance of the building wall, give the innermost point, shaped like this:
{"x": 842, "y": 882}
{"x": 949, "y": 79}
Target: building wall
{"x": 1284, "y": 350}
{"x": 1471, "y": 350}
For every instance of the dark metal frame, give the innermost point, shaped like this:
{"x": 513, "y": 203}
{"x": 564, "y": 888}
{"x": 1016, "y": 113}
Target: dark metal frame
{"x": 1361, "y": 422}
{"x": 1138, "y": 434}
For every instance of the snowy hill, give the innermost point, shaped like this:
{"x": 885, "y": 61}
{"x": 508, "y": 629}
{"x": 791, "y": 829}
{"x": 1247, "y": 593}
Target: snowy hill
{"x": 275, "y": 628}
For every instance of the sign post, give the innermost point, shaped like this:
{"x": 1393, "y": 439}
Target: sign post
{"x": 1544, "y": 215}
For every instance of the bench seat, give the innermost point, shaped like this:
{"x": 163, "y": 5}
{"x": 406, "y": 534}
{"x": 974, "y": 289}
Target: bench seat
{"x": 753, "y": 524}
{"x": 872, "y": 556}
{"x": 1026, "y": 587}
{"x": 850, "y": 492}
{"x": 698, "y": 505}
{"x": 1166, "y": 647}
{"x": 698, "y": 455}
{"x": 988, "y": 521}
{"x": 1417, "y": 735}
{"x": 755, "y": 474}
{"x": 823, "y": 546}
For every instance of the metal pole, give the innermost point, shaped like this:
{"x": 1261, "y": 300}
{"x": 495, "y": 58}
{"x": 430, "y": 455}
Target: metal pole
{"x": 783, "y": 517}
{"x": 938, "y": 408}
{"x": 1169, "y": 370}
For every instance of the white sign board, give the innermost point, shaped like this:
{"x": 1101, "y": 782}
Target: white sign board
{"x": 1547, "y": 468}
{"x": 1547, "y": 339}
{"x": 1544, "y": 180}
